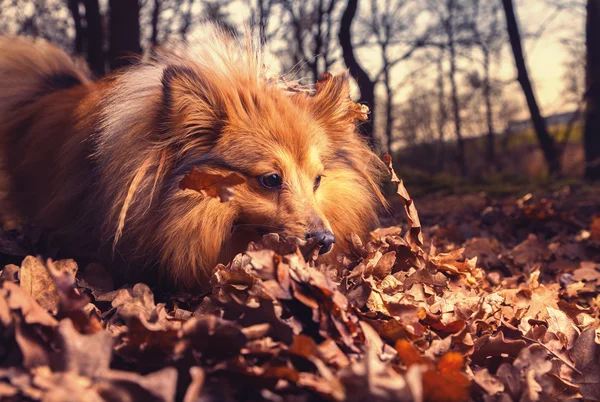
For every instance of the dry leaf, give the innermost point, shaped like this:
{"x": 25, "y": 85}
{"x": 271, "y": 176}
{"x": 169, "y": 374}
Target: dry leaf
{"x": 411, "y": 211}
{"x": 220, "y": 186}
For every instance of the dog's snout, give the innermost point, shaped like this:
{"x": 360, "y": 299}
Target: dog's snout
{"x": 326, "y": 240}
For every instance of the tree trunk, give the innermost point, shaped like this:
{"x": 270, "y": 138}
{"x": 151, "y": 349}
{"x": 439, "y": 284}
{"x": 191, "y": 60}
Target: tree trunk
{"x": 155, "y": 15}
{"x": 318, "y": 44}
{"x": 187, "y": 20}
{"x": 462, "y": 163}
{"x": 76, "y": 15}
{"x": 389, "y": 110}
{"x": 546, "y": 141}
{"x": 124, "y": 32}
{"x": 591, "y": 141}
{"x": 443, "y": 115}
{"x": 365, "y": 84}
{"x": 262, "y": 20}
{"x": 451, "y": 8}
{"x": 489, "y": 112}
{"x": 95, "y": 37}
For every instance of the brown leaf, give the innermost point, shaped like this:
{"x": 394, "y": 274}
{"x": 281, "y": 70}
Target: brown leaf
{"x": 33, "y": 344}
{"x": 384, "y": 265}
{"x": 496, "y": 346}
{"x": 135, "y": 302}
{"x": 330, "y": 352}
{"x": 562, "y": 326}
{"x": 211, "y": 336}
{"x": 409, "y": 206}
{"x": 586, "y": 355}
{"x": 303, "y": 346}
{"x": 86, "y": 355}
{"x": 220, "y": 186}
{"x": 158, "y": 386}
{"x": 38, "y": 283}
{"x": 490, "y": 384}
{"x": 371, "y": 379}
{"x": 588, "y": 271}
{"x": 33, "y": 313}
{"x": 530, "y": 251}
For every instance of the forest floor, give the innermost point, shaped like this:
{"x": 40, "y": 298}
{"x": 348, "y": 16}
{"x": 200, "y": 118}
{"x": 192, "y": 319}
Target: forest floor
{"x": 495, "y": 298}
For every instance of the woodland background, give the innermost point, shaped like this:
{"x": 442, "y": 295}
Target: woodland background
{"x": 446, "y": 80}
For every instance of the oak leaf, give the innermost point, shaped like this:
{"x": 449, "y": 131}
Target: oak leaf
{"x": 215, "y": 185}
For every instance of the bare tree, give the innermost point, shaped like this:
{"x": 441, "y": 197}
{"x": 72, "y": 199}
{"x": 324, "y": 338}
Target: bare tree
{"x": 450, "y": 31}
{"x": 79, "y": 34}
{"x": 155, "y": 17}
{"x": 187, "y": 13}
{"x": 41, "y": 18}
{"x": 574, "y": 70}
{"x": 311, "y": 32}
{"x": 89, "y": 33}
{"x": 94, "y": 34}
{"x": 217, "y": 12}
{"x": 489, "y": 39}
{"x": 364, "y": 81}
{"x": 418, "y": 116}
{"x": 442, "y": 119}
{"x": 163, "y": 19}
{"x": 545, "y": 140}
{"x": 389, "y": 29}
{"x": 592, "y": 96}
{"x": 124, "y": 32}
{"x": 418, "y": 119}
{"x": 261, "y": 14}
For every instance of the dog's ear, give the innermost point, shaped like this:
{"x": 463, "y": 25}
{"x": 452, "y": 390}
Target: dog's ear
{"x": 333, "y": 104}
{"x": 191, "y": 106}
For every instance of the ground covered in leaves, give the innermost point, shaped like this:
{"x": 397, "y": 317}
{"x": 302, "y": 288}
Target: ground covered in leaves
{"x": 494, "y": 300}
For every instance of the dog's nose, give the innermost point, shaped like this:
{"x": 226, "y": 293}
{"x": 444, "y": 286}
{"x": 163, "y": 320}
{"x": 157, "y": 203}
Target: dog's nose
{"x": 326, "y": 240}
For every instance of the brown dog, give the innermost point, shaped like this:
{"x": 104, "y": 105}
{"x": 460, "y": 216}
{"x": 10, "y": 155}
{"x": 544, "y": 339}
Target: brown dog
{"x": 104, "y": 161}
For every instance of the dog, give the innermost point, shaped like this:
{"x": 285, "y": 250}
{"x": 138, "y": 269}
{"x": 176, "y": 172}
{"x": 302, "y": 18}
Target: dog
{"x": 108, "y": 164}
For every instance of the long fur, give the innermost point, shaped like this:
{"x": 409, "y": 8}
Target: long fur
{"x": 102, "y": 161}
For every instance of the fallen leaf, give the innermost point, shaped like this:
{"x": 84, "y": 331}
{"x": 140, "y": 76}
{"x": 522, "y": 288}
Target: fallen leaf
{"x": 38, "y": 283}
{"x": 220, "y": 186}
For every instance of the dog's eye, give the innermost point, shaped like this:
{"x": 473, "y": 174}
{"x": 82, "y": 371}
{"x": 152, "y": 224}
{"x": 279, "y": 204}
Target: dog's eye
{"x": 270, "y": 181}
{"x": 317, "y": 182}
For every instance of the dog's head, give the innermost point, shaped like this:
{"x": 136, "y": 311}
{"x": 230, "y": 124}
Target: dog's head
{"x": 308, "y": 172}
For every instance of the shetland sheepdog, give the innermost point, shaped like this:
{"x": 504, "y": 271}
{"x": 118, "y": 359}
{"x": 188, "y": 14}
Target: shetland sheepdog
{"x": 103, "y": 162}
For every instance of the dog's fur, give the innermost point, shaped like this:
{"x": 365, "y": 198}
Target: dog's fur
{"x": 102, "y": 161}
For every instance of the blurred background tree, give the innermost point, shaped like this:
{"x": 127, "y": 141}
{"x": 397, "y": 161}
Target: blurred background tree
{"x": 438, "y": 75}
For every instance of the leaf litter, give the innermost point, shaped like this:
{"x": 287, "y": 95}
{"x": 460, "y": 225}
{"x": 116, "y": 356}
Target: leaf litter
{"x": 497, "y": 302}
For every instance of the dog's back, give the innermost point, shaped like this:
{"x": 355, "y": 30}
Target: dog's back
{"x": 41, "y": 89}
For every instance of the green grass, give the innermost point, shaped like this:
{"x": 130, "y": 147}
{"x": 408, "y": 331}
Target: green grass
{"x": 420, "y": 184}
{"x": 528, "y": 137}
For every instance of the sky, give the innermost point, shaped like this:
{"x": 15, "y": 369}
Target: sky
{"x": 545, "y": 56}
